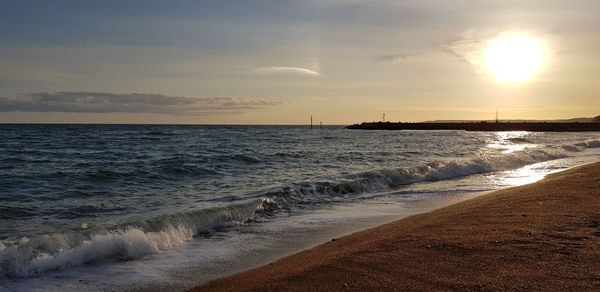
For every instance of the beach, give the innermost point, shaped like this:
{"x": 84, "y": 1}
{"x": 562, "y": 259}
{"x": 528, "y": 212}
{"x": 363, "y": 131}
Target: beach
{"x": 541, "y": 236}
{"x": 299, "y": 145}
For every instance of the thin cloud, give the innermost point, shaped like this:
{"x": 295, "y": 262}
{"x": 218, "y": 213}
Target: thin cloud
{"x": 287, "y": 70}
{"x": 104, "y": 102}
{"x": 391, "y": 58}
{"x": 467, "y": 48}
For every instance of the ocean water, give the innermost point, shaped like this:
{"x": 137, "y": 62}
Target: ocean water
{"x": 116, "y": 207}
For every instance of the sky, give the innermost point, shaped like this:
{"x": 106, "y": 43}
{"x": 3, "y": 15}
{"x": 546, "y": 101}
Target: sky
{"x": 281, "y": 61}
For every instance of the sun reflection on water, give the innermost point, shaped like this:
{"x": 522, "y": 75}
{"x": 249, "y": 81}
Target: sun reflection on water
{"x": 509, "y": 142}
{"x": 522, "y": 176}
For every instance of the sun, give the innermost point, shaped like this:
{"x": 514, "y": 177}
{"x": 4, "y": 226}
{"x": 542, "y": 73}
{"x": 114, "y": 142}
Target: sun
{"x": 514, "y": 57}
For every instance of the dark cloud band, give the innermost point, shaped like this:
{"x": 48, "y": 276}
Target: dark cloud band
{"x": 104, "y": 102}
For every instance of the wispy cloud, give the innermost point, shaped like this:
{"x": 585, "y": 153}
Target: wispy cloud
{"x": 391, "y": 58}
{"x": 104, "y": 102}
{"x": 467, "y": 48}
{"x": 286, "y": 70}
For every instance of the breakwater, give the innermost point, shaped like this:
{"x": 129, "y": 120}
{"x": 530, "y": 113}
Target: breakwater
{"x": 481, "y": 126}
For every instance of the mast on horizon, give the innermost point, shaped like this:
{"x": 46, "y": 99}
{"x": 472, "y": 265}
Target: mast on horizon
{"x": 496, "y": 116}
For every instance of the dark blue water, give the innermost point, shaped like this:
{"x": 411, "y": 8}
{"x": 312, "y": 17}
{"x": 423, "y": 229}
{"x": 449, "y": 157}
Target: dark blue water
{"x": 65, "y": 173}
{"x": 64, "y": 188}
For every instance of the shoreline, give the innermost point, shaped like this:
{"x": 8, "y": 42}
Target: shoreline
{"x": 539, "y": 236}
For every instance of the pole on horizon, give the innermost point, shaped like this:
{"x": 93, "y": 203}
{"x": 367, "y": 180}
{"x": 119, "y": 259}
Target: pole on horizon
{"x": 383, "y": 117}
{"x": 311, "y": 121}
{"x": 321, "y": 125}
{"x": 496, "y": 116}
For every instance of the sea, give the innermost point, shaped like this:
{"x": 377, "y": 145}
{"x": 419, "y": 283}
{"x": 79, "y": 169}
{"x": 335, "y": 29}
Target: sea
{"x": 168, "y": 207}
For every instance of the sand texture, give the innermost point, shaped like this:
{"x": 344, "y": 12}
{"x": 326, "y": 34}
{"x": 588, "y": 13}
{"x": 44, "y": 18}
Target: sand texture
{"x": 542, "y": 236}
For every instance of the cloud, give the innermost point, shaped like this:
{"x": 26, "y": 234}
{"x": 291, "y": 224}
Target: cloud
{"x": 468, "y": 47}
{"x": 391, "y": 58}
{"x": 104, "y": 102}
{"x": 287, "y": 70}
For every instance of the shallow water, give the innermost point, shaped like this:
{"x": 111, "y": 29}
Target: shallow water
{"x": 80, "y": 202}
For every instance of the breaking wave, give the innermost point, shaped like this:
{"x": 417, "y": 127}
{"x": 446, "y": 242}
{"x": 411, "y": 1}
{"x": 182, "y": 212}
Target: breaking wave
{"x": 141, "y": 236}
{"x": 28, "y": 257}
{"x": 385, "y": 179}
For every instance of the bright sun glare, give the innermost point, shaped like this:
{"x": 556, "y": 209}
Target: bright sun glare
{"x": 514, "y": 57}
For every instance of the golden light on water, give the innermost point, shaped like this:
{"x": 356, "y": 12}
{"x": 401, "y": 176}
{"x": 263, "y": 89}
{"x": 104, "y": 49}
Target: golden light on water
{"x": 522, "y": 176}
{"x": 505, "y": 142}
{"x": 514, "y": 57}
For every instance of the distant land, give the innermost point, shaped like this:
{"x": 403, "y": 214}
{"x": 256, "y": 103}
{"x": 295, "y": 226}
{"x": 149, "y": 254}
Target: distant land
{"x": 569, "y": 125}
{"x": 572, "y": 120}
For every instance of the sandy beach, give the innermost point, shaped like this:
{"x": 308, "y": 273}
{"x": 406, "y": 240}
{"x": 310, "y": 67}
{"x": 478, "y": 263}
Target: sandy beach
{"x": 542, "y": 236}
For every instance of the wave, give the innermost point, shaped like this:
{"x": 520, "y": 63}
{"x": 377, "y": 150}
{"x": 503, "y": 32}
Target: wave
{"x": 592, "y": 144}
{"x": 159, "y": 133}
{"x": 7, "y": 212}
{"x": 184, "y": 169}
{"x": 150, "y": 234}
{"x": 28, "y": 257}
{"x": 13, "y": 160}
{"x": 245, "y": 158}
{"x": 107, "y": 174}
{"x": 386, "y": 179}
{"x": 163, "y": 171}
{"x": 520, "y": 140}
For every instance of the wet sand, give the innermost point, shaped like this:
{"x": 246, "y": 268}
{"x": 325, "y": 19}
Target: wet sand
{"x": 542, "y": 236}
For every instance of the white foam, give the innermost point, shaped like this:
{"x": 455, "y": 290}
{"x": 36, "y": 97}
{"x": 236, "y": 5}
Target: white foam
{"x": 387, "y": 178}
{"x": 25, "y": 257}
{"x": 129, "y": 244}
{"x": 29, "y": 257}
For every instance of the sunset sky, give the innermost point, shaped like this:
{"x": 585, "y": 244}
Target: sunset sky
{"x": 280, "y": 61}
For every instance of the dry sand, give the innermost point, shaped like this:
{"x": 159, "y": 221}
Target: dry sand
{"x": 543, "y": 236}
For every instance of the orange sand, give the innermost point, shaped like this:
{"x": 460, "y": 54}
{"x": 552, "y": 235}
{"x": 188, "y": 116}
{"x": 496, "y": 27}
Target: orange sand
{"x": 543, "y": 236}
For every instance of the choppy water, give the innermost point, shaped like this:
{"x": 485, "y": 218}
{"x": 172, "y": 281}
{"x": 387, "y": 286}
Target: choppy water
{"x": 72, "y": 196}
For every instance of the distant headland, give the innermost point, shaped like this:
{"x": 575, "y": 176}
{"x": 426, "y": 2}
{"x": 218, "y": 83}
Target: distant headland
{"x": 571, "y": 125}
